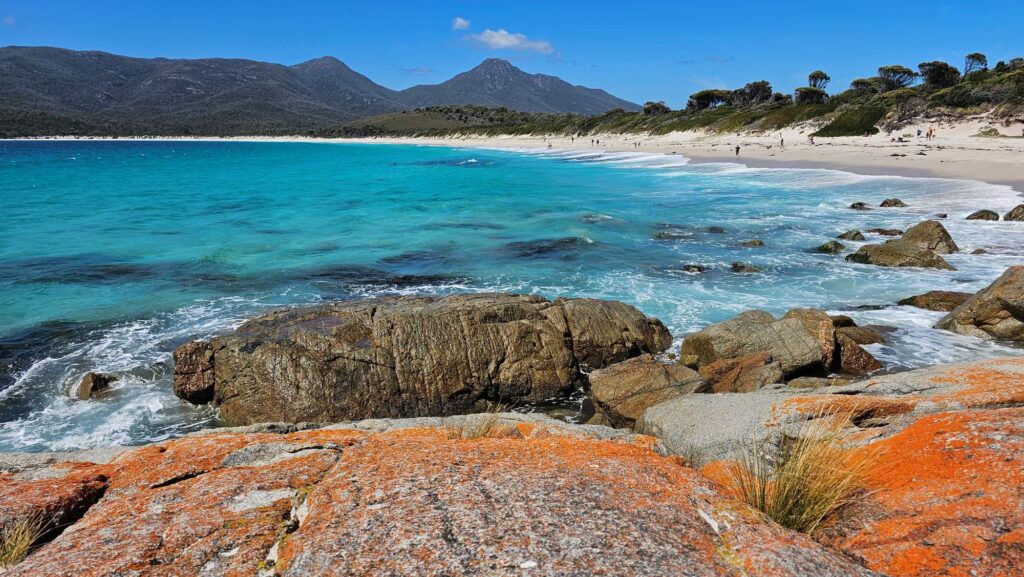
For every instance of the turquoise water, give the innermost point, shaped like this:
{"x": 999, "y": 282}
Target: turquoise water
{"x": 113, "y": 253}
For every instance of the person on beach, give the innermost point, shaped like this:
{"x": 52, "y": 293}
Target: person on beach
{"x": 737, "y": 150}
{"x": 782, "y": 142}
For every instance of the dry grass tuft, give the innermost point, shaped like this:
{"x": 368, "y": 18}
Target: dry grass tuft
{"x": 481, "y": 426}
{"x": 17, "y": 538}
{"x": 807, "y": 479}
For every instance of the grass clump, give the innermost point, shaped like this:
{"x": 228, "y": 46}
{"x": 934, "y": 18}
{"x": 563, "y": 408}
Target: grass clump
{"x": 808, "y": 479}
{"x": 480, "y": 426}
{"x": 854, "y": 121}
{"x": 17, "y": 538}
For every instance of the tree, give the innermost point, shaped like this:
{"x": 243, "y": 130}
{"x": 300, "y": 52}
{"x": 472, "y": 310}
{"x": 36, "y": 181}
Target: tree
{"x": 656, "y": 108}
{"x": 818, "y": 79}
{"x": 938, "y": 74}
{"x": 896, "y": 76}
{"x": 753, "y": 93}
{"x": 867, "y": 85}
{"x": 708, "y": 98}
{"x": 974, "y": 62}
{"x": 810, "y": 95}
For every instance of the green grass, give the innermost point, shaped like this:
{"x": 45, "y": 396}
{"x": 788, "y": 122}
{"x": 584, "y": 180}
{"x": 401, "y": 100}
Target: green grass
{"x": 854, "y": 121}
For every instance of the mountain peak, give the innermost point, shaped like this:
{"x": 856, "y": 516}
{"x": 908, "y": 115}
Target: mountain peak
{"x": 496, "y": 65}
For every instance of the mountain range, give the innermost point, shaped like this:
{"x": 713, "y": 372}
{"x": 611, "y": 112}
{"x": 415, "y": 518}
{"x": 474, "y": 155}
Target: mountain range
{"x": 49, "y": 91}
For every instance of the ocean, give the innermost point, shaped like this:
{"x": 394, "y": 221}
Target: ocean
{"x": 112, "y": 253}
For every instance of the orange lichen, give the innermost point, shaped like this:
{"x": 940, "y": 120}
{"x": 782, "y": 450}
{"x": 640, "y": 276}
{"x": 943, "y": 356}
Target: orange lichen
{"x": 946, "y": 500}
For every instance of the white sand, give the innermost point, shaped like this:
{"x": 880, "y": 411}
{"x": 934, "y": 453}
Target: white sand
{"x": 954, "y": 153}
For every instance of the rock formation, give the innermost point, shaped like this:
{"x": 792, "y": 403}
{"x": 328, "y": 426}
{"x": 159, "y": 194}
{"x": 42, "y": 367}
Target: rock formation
{"x": 900, "y": 254}
{"x": 930, "y": 235}
{"x": 409, "y": 356}
{"x": 624, "y": 390}
{"x": 937, "y": 300}
{"x": 995, "y": 312}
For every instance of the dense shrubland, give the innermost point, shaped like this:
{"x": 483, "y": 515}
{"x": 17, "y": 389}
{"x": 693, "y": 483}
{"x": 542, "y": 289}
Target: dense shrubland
{"x": 893, "y": 97}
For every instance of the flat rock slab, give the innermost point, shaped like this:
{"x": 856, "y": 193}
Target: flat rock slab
{"x": 396, "y": 498}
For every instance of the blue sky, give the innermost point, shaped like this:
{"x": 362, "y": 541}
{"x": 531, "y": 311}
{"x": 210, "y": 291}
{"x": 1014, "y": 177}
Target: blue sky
{"x": 637, "y": 50}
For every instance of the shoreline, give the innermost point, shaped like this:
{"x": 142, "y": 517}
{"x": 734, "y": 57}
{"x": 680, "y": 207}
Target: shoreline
{"x": 998, "y": 161}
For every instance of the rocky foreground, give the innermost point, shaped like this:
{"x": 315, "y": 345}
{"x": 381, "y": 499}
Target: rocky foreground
{"x": 535, "y": 496}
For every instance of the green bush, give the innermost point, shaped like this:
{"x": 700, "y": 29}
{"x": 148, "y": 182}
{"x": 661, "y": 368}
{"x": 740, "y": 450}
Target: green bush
{"x": 857, "y": 121}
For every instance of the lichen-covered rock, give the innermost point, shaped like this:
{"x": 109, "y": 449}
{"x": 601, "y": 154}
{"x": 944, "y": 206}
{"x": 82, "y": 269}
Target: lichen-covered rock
{"x": 92, "y": 383}
{"x": 900, "y": 254}
{"x": 624, "y": 390}
{"x": 945, "y": 499}
{"x": 930, "y": 235}
{"x": 995, "y": 312}
{"x": 411, "y": 356}
{"x": 1015, "y": 214}
{"x": 983, "y": 215}
{"x": 742, "y": 374}
{"x": 411, "y": 498}
{"x": 944, "y": 301}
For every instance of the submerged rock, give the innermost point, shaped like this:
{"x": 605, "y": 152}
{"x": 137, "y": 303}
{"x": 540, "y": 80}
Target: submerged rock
{"x": 886, "y": 231}
{"x": 983, "y": 215}
{"x": 860, "y": 206}
{"x": 753, "y": 243}
{"x": 995, "y": 312}
{"x": 624, "y": 390}
{"x": 937, "y": 300}
{"x": 830, "y": 247}
{"x": 715, "y": 230}
{"x": 852, "y": 235}
{"x": 93, "y": 383}
{"x": 743, "y": 267}
{"x": 899, "y": 254}
{"x": 1015, "y": 214}
{"x": 930, "y": 235}
{"x": 410, "y": 356}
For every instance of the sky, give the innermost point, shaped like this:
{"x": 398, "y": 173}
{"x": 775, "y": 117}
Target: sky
{"x": 639, "y": 51}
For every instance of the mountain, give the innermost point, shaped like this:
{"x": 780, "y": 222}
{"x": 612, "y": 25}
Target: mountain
{"x": 498, "y": 83}
{"x": 48, "y": 91}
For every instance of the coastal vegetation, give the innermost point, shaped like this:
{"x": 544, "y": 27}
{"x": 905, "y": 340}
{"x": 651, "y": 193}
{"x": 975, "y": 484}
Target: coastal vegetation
{"x": 892, "y": 98}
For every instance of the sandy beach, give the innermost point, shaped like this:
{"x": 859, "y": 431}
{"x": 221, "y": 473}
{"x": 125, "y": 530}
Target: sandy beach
{"x": 955, "y": 153}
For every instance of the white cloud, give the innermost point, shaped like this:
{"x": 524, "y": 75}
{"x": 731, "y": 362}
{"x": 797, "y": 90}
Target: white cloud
{"x": 504, "y": 40}
{"x": 460, "y": 23}
{"x": 9, "y": 20}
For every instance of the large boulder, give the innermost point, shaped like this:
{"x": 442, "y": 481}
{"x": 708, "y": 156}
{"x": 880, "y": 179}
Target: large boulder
{"x": 742, "y": 374}
{"x": 410, "y": 356}
{"x": 532, "y": 497}
{"x": 802, "y": 341}
{"x": 624, "y": 390}
{"x": 900, "y": 254}
{"x": 853, "y": 359}
{"x": 995, "y": 312}
{"x": 944, "y": 301}
{"x": 930, "y": 235}
{"x": 983, "y": 215}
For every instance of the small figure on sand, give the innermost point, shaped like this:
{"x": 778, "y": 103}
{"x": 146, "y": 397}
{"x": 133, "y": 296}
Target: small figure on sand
{"x": 782, "y": 142}
{"x": 737, "y": 150}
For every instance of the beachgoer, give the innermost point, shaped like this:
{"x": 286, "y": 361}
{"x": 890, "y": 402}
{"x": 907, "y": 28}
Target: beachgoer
{"x": 919, "y": 134}
{"x": 737, "y": 150}
{"x": 782, "y": 142}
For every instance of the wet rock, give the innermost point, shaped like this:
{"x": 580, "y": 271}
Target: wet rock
{"x": 839, "y": 321}
{"x": 886, "y": 231}
{"x": 753, "y": 243}
{"x": 899, "y": 254}
{"x": 412, "y": 356}
{"x": 742, "y": 374}
{"x": 892, "y": 202}
{"x": 624, "y": 390}
{"x": 937, "y": 300}
{"x": 547, "y": 247}
{"x": 671, "y": 235}
{"x": 693, "y": 268}
{"x": 983, "y": 215}
{"x": 930, "y": 235}
{"x": 941, "y": 215}
{"x": 853, "y": 359}
{"x": 194, "y": 372}
{"x": 830, "y": 247}
{"x": 861, "y": 335}
{"x": 800, "y": 342}
{"x": 93, "y": 383}
{"x": 1015, "y": 214}
{"x": 744, "y": 267}
{"x": 860, "y": 206}
{"x": 995, "y": 312}
{"x": 979, "y": 251}
{"x": 852, "y": 235}
{"x": 715, "y": 230}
